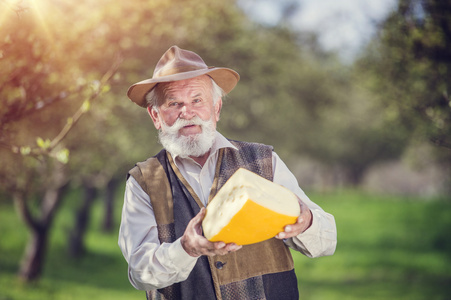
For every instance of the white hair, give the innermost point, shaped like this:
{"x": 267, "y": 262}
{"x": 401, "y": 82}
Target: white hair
{"x": 156, "y": 94}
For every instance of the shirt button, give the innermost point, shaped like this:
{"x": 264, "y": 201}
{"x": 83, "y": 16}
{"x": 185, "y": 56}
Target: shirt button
{"x": 219, "y": 265}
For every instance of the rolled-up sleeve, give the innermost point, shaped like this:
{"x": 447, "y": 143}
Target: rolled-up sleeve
{"x": 320, "y": 239}
{"x": 151, "y": 265}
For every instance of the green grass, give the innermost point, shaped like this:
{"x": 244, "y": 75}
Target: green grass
{"x": 388, "y": 248}
{"x": 100, "y": 274}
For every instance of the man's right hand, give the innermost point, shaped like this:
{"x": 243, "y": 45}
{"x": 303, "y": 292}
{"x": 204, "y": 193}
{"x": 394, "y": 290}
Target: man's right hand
{"x": 195, "y": 244}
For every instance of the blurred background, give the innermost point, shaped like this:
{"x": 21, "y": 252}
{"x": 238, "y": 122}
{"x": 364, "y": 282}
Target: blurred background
{"x": 353, "y": 95}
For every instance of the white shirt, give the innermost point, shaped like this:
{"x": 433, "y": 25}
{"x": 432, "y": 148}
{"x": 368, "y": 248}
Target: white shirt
{"x": 152, "y": 265}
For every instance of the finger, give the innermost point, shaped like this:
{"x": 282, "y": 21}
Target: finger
{"x": 220, "y": 248}
{"x": 295, "y": 226}
{"x": 290, "y": 231}
{"x": 219, "y": 245}
{"x": 232, "y": 247}
{"x": 198, "y": 218}
{"x": 288, "y": 228}
{"x": 212, "y": 249}
{"x": 201, "y": 214}
{"x": 280, "y": 235}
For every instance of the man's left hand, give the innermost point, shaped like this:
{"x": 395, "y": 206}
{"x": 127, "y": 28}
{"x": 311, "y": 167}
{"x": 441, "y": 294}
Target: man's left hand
{"x": 303, "y": 222}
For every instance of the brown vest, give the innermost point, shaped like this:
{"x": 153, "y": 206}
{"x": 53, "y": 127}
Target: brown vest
{"x": 240, "y": 274}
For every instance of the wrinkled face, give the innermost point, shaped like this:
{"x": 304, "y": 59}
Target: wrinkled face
{"x": 186, "y": 99}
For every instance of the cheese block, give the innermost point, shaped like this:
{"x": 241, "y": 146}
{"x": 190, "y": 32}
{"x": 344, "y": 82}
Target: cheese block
{"x": 249, "y": 209}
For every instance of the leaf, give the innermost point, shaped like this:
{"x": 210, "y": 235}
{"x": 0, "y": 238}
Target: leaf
{"x": 63, "y": 156}
{"x": 86, "y": 106}
{"x": 40, "y": 142}
{"x": 105, "y": 89}
{"x": 25, "y": 150}
{"x": 43, "y": 144}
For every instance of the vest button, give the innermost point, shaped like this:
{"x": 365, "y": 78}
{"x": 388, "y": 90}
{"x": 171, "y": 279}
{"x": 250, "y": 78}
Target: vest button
{"x": 219, "y": 265}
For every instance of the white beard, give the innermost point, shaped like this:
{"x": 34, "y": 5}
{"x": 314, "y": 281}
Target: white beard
{"x": 192, "y": 145}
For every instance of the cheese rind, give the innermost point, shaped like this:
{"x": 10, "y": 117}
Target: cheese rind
{"x": 249, "y": 209}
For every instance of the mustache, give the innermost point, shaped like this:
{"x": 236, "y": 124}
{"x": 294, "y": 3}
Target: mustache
{"x": 180, "y": 123}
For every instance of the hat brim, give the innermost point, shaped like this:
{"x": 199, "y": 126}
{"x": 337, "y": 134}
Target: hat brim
{"x": 224, "y": 77}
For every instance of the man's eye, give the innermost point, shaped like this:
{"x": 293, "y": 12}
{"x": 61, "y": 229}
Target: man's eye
{"x": 173, "y": 104}
{"x": 197, "y": 100}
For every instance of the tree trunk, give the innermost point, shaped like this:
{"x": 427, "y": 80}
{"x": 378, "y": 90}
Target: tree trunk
{"x": 108, "y": 219}
{"x": 34, "y": 256}
{"x": 76, "y": 238}
{"x": 355, "y": 175}
{"x": 33, "y": 260}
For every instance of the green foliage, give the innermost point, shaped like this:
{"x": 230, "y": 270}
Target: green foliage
{"x": 299, "y": 102}
{"x": 411, "y": 62}
{"x": 63, "y": 156}
{"x": 43, "y": 144}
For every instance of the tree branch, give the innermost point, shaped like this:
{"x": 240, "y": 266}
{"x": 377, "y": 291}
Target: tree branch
{"x": 82, "y": 110}
{"x": 36, "y": 152}
{"x": 24, "y": 211}
{"x": 53, "y": 194}
{"x": 441, "y": 142}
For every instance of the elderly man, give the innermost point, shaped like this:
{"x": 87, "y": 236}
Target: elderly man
{"x": 166, "y": 195}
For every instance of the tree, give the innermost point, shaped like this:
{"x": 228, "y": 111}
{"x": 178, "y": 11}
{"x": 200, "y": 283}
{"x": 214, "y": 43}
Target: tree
{"x": 51, "y": 66}
{"x": 411, "y": 63}
{"x": 42, "y": 98}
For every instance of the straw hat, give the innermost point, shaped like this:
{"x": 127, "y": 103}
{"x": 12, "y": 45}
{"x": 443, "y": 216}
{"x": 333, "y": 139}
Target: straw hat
{"x": 178, "y": 64}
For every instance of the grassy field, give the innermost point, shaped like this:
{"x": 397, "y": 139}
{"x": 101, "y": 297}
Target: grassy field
{"x": 388, "y": 248}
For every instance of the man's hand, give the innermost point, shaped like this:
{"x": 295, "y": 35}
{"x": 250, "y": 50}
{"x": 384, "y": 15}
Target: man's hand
{"x": 195, "y": 244}
{"x": 303, "y": 222}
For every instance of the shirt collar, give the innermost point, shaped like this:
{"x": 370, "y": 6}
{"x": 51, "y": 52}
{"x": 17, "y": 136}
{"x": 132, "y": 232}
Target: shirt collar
{"x": 221, "y": 142}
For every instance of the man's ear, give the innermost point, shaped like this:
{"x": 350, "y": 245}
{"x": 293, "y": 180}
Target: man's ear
{"x": 218, "y": 107}
{"x": 155, "y": 117}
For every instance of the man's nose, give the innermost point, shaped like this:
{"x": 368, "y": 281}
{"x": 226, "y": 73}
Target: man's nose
{"x": 187, "y": 112}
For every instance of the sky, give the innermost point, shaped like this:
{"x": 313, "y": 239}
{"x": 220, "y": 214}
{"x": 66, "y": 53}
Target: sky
{"x": 342, "y": 25}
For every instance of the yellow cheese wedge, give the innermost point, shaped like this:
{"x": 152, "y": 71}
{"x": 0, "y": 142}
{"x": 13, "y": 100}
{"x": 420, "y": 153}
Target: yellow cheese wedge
{"x": 249, "y": 209}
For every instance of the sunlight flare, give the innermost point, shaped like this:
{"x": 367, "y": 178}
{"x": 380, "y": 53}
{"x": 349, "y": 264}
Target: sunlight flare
{"x": 37, "y": 7}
